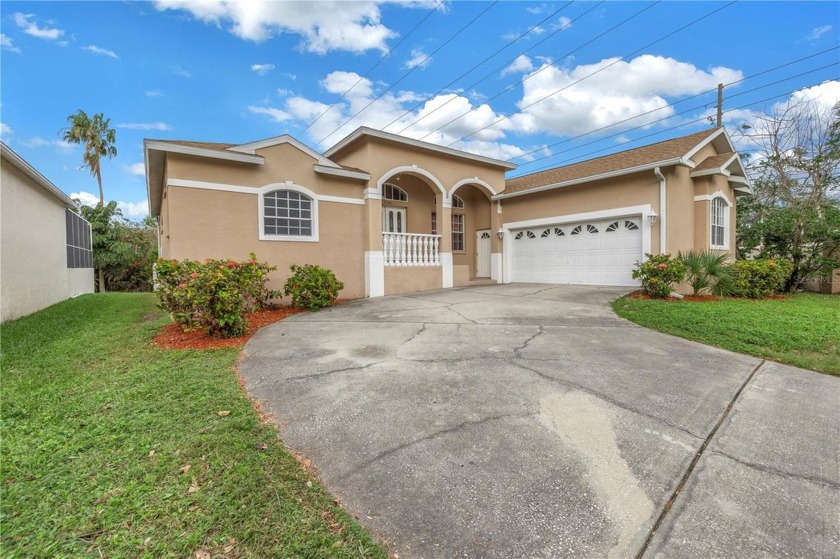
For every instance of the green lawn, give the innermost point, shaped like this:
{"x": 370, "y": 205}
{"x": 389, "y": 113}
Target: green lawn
{"x": 803, "y": 330}
{"x": 97, "y": 425}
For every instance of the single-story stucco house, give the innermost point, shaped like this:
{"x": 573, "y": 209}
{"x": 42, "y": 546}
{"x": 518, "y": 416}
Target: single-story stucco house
{"x": 390, "y": 214}
{"x": 45, "y": 245}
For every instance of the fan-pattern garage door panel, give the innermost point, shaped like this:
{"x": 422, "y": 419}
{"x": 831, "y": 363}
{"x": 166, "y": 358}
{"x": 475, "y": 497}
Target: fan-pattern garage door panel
{"x": 594, "y": 253}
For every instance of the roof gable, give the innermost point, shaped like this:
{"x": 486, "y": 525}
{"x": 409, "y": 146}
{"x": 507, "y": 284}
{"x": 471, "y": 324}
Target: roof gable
{"x": 24, "y": 167}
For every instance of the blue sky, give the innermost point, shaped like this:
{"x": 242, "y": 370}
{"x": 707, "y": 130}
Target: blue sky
{"x": 238, "y": 72}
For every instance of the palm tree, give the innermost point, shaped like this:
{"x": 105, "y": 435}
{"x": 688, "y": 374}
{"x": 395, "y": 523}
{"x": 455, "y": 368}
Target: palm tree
{"x": 98, "y": 140}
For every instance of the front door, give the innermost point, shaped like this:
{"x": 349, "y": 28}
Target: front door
{"x": 482, "y": 253}
{"x": 394, "y": 220}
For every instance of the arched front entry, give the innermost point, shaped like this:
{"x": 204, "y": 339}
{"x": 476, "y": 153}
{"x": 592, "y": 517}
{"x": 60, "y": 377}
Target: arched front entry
{"x": 473, "y": 237}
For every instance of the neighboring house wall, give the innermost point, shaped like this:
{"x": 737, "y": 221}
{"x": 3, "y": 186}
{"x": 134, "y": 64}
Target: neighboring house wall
{"x": 207, "y": 220}
{"x": 33, "y": 248}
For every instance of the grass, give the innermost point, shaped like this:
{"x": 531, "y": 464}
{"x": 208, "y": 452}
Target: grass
{"x": 97, "y": 425}
{"x": 802, "y": 330}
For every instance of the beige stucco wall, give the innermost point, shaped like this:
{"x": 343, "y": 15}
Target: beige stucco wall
{"x": 413, "y": 278}
{"x": 620, "y": 192}
{"x": 215, "y": 224}
{"x": 33, "y": 248}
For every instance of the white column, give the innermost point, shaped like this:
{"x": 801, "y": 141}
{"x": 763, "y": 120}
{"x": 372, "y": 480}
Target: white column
{"x": 496, "y": 267}
{"x": 446, "y": 269}
{"x": 374, "y": 274}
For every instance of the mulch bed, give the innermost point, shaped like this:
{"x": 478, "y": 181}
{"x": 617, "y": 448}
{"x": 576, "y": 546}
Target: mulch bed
{"x": 172, "y": 337}
{"x": 692, "y": 298}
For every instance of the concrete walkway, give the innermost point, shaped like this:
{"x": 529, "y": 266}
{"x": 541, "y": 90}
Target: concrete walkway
{"x": 529, "y": 421}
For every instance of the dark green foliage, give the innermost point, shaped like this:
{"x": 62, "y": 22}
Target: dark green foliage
{"x": 98, "y": 424}
{"x": 123, "y": 250}
{"x": 658, "y": 274}
{"x": 759, "y": 278}
{"x": 214, "y": 295}
{"x": 707, "y": 271}
{"x": 312, "y": 287}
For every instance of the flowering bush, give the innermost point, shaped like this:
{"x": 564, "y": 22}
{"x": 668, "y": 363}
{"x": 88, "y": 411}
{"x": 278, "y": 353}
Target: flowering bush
{"x": 760, "y": 278}
{"x": 214, "y": 295}
{"x": 658, "y": 273}
{"x": 312, "y": 287}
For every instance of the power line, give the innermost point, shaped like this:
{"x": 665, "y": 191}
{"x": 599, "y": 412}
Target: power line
{"x": 645, "y": 125}
{"x": 672, "y": 33}
{"x": 678, "y": 102}
{"x": 528, "y": 77}
{"x": 380, "y": 61}
{"x": 493, "y": 72}
{"x": 701, "y": 119}
{"x": 404, "y": 76}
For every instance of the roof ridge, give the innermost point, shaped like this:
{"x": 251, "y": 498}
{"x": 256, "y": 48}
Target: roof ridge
{"x": 707, "y": 132}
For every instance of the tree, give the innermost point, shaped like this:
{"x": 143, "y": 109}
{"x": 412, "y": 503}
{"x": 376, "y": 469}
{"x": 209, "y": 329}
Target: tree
{"x": 98, "y": 142}
{"x": 123, "y": 251}
{"x": 794, "y": 212}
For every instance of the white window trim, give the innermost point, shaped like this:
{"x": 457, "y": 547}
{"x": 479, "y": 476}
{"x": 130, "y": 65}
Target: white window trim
{"x": 727, "y": 209}
{"x": 463, "y": 232}
{"x": 288, "y": 185}
{"x": 397, "y": 188}
{"x": 454, "y": 200}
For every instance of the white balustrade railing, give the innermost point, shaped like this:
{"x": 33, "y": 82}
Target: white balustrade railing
{"x": 411, "y": 249}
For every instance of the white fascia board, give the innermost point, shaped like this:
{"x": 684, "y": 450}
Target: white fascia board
{"x": 707, "y": 172}
{"x": 706, "y": 142}
{"x": 201, "y": 152}
{"x": 365, "y": 131}
{"x": 339, "y": 172}
{"x": 593, "y": 178}
{"x": 12, "y": 157}
{"x": 284, "y": 139}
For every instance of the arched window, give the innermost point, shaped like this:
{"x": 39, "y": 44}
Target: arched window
{"x": 457, "y": 201}
{"x": 720, "y": 221}
{"x": 288, "y": 215}
{"x": 394, "y": 192}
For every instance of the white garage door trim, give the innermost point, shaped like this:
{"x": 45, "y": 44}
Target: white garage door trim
{"x": 645, "y": 211}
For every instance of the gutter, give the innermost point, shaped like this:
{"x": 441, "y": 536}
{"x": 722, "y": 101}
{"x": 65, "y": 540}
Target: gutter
{"x": 663, "y": 211}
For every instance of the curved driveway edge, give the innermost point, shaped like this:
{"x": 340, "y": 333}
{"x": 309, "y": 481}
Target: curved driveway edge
{"x": 529, "y": 421}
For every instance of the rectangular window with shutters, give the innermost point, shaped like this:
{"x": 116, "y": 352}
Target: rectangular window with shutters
{"x": 79, "y": 241}
{"x": 458, "y": 233}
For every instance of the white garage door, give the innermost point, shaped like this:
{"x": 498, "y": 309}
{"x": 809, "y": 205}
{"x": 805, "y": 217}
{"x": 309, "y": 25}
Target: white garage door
{"x": 589, "y": 252}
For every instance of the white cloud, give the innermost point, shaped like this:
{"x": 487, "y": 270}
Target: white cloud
{"x": 818, "y": 32}
{"x": 27, "y": 23}
{"x": 178, "y": 71}
{"x": 6, "y": 43}
{"x": 282, "y": 92}
{"x": 419, "y": 59}
{"x": 144, "y": 126}
{"x": 323, "y": 26}
{"x": 35, "y": 142}
{"x": 541, "y": 9}
{"x": 132, "y": 210}
{"x": 340, "y": 82}
{"x": 154, "y": 93}
{"x": 262, "y": 69}
{"x": 99, "y": 50}
{"x": 391, "y": 107}
{"x": 563, "y": 23}
{"x": 5, "y": 130}
{"x": 825, "y": 96}
{"x": 277, "y": 115}
{"x": 618, "y": 91}
{"x": 521, "y": 64}
{"x": 138, "y": 169}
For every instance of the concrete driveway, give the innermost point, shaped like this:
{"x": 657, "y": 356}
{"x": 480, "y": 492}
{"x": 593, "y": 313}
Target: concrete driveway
{"x": 529, "y": 421}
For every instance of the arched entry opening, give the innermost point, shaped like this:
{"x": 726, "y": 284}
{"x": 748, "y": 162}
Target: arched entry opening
{"x": 472, "y": 232}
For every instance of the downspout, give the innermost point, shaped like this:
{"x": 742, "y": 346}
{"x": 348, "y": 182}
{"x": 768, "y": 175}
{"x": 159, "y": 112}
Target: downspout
{"x": 663, "y": 212}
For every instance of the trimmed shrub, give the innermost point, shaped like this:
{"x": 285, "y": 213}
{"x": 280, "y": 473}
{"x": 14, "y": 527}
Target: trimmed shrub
{"x": 759, "y": 278}
{"x": 707, "y": 271}
{"x": 312, "y": 287}
{"x": 658, "y": 273}
{"x": 214, "y": 295}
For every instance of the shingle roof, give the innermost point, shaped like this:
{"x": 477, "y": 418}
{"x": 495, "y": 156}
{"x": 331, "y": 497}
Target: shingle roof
{"x": 202, "y": 145}
{"x": 714, "y": 161}
{"x": 660, "y": 151}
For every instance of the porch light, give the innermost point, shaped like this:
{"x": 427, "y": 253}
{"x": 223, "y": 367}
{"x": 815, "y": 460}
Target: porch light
{"x": 652, "y": 218}
{"x": 500, "y": 233}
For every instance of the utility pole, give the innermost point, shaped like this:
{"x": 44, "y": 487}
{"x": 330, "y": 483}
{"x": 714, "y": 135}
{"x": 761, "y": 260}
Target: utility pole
{"x": 720, "y": 106}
